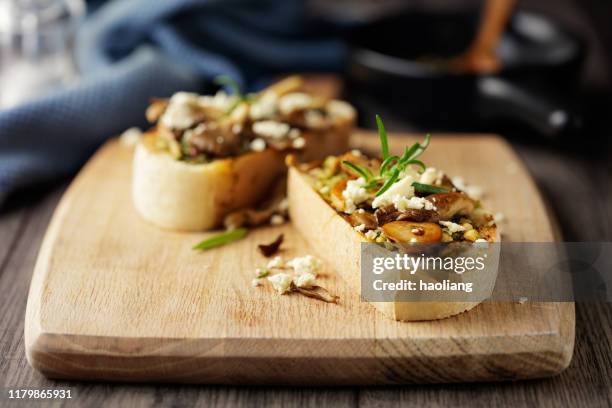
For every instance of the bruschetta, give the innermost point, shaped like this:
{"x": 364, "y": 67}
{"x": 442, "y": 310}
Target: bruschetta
{"x": 343, "y": 201}
{"x": 208, "y": 156}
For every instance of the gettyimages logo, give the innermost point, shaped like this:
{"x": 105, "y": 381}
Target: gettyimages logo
{"x": 467, "y": 272}
{"x": 412, "y": 263}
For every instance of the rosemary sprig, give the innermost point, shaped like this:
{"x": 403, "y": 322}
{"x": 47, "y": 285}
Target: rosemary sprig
{"x": 391, "y": 166}
{"x": 226, "y": 80}
{"x": 389, "y": 182}
{"x": 229, "y": 82}
{"x": 382, "y": 134}
{"x": 387, "y": 162}
{"x": 221, "y": 239}
{"x": 362, "y": 171}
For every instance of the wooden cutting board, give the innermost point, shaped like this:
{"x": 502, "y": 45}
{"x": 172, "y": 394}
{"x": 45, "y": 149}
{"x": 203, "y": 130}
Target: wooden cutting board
{"x": 115, "y": 298}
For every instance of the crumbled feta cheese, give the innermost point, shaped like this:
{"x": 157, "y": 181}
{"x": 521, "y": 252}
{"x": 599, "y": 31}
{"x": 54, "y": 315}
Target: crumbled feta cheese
{"x": 283, "y": 205}
{"x": 264, "y": 107}
{"x": 182, "y": 109}
{"x": 306, "y": 280}
{"x": 281, "y": 282}
{"x": 305, "y": 264}
{"x": 179, "y": 113}
{"x": 239, "y": 112}
{"x": 349, "y": 207}
{"x": 431, "y": 176}
{"x": 256, "y": 282}
{"x": 402, "y": 188}
{"x": 340, "y": 109}
{"x": 314, "y": 119}
{"x": 298, "y": 143}
{"x": 294, "y": 133}
{"x": 410, "y": 171}
{"x": 414, "y": 203}
{"x": 474, "y": 192}
{"x": 354, "y": 194}
{"x": 258, "y": 145}
{"x": 271, "y": 129}
{"x": 324, "y": 190}
{"x": 356, "y": 153}
{"x": 236, "y": 128}
{"x": 371, "y": 234}
{"x": 277, "y": 219}
{"x": 130, "y": 137}
{"x": 220, "y": 101}
{"x": 360, "y": 227}
{"x": 294, "y": 101}
{"x": 481, "y": 243}
{"x": 459, "y": 182}
{"x": 452, "y": 227}
{"x": 275, "y": 262}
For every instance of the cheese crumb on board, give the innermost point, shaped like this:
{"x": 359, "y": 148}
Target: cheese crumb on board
{"x": 275, "y": 262}
{"x": 305, "y": 264}
{"x": 281, "y": 282}
{"x": 306, "y": 280}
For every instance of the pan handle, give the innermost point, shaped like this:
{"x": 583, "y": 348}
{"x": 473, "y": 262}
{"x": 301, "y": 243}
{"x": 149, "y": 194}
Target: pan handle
{"x": 504, "y": 98}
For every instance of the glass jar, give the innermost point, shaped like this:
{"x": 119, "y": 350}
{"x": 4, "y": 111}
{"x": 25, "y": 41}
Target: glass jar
{"x": 36, "y": 42}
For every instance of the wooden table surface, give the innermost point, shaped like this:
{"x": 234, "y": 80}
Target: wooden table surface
{"x": 587, "y": 382}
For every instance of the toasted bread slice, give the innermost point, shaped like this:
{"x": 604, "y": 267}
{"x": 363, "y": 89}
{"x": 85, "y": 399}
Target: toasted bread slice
{"x": 184, "y": 196}
{"x": 337, "y": 242}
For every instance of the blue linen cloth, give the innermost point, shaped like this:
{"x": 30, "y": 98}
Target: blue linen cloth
{"x": 128, "y": 51}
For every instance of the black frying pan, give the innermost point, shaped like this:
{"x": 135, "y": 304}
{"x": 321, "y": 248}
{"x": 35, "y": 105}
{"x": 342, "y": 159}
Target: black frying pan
{"x": 392, "y": 58}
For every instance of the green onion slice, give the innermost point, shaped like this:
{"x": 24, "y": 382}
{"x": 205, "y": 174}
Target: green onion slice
{"x": 428, "y": 188}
